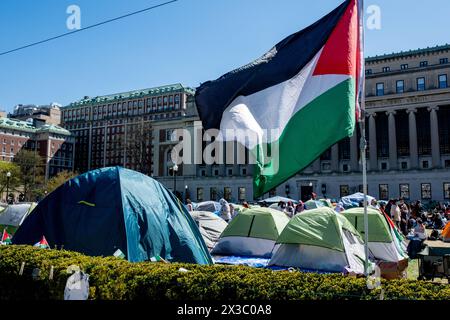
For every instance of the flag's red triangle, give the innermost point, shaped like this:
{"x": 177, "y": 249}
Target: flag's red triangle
{"x": 340, "y": 54}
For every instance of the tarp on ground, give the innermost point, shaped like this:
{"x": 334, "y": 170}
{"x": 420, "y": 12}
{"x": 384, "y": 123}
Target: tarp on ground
{"x": 110, "y": 209}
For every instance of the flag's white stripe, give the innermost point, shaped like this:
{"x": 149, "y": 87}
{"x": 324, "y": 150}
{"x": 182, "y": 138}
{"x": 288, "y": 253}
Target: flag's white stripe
{"x": 262, "y": 116}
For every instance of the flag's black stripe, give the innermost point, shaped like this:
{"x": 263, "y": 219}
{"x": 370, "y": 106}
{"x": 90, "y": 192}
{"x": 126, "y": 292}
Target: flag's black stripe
{"x": 281, "y": 63}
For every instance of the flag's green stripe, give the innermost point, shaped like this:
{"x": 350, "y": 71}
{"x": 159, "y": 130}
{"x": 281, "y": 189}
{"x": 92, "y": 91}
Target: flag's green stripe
{"x": 312, "y": 130}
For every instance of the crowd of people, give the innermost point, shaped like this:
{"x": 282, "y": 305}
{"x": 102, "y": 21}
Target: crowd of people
{"x": 412, "y": 219}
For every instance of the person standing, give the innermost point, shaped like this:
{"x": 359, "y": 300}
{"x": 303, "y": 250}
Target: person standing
{"x": 225, "y": 210}
{"x": 189, "y": 205}
{"x": 396, "y": 214}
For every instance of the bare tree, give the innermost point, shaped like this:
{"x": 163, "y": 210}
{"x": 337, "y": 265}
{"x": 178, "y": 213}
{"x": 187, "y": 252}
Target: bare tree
{"x": 138, "y": 147}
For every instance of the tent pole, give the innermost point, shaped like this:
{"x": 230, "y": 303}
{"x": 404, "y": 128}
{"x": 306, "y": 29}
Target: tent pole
{"x": 363, "y": 144}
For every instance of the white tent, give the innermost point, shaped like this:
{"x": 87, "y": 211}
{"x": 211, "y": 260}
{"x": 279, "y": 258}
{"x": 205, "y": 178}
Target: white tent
{"x": 210, "y": 225}
{"x": 13, "y": 215}
{"x": 355, "y": 199}
{"x": 210, "y": 206}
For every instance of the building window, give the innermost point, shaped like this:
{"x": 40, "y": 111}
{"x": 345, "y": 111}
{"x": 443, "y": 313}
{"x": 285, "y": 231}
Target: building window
{"x": 384, "y": 166}
{"x": 384, "y": 192}
{"x": 326, "y": 156}
{"x": 386, "y": 69}
{"x": 216, "y": 172}
{"x": 213, "y": 194}
{"x": 404, "y": 191}
{"x": 199, "y": 194}
{"x": 443, "y": 81}
{"x": 244, "y": 171}
{"x": 404, "y": 66}
{"x": 345, "y": 168}
{"x": 230, "y": 172}
{"x": 443, "y": 61}
{"x": 447, "y": 164}
{"x": 420, "y": 84}
{"x": 425, "y": 164}
{"x": 227, "y": 193}
{"x": 426, "y": 191}
{"x": 423, "y": 64}
{"x": 344, "y": 190}
{"x": 241, "y": 194}
{"x": 404, "y": 165}
{"x": 447, "y": 191}
{"x": 344, "y": 149}
{"x": 368, "y": 71}
{"x": 400, "y": 86}
{"x": 380, "y": 89}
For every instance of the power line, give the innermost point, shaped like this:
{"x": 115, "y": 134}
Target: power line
{"x": 88, "y": 27}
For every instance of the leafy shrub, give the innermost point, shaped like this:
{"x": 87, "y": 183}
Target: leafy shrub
{"x": 115, "y": 279}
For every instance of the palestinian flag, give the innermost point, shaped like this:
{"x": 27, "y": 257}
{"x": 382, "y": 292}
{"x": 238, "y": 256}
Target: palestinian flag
{"x": 43, "y": 244}
{"x": 296, "y": 101}
{"x": 6, "y": 237}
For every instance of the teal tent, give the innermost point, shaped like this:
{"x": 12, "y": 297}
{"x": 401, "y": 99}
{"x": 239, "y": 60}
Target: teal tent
{"x": 111, "y": 209}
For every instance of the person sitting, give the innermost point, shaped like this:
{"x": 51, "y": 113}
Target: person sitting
{"x": 438, "y": 223}
{"x": 300, "y": 207}
{"x": 419, "y": 230}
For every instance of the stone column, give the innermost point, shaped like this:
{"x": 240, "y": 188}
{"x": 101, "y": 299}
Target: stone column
{"x": 354, "y": 151}
{"x": 434, "y": 124}
{"x": 373, "y": 142}
{"x": 392, "y": 141}
{"x": 335, "y": 158}
{"x": 316, "y": 165}
{"x": 413, "y": 149}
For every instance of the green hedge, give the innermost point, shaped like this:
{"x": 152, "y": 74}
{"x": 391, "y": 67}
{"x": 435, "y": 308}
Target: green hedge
{"x": 112, "y": 278}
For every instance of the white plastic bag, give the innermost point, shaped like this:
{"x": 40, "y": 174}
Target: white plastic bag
{"x": 77, "y": 286}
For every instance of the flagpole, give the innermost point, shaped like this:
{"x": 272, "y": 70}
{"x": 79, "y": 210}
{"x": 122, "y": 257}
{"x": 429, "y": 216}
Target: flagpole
{"x": 363, "y": 144}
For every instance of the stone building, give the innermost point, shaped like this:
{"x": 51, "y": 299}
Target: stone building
{"x": 53, "y": 143}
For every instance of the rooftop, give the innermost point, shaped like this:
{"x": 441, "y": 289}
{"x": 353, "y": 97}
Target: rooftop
{"x": 29, "y": 127}
{"x": 174, "y": 88}
{"x": 409, "y": 53}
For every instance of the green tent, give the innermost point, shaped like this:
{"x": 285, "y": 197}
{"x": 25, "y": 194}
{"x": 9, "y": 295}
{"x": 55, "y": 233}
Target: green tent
{"x": 253, "y": 232}
{"x": 382, "y": 241}
{"x": 320, "y": 239}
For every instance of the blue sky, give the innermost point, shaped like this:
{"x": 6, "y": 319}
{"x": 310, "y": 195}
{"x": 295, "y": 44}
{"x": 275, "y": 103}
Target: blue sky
{"x": 188, "y": 42}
